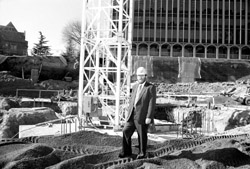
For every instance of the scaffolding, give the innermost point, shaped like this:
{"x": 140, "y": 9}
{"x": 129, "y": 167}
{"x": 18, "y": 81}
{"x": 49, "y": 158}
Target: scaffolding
{"x": 105, "y": 60}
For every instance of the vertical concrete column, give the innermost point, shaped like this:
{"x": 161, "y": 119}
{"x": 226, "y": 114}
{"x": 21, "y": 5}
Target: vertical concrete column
{"x": 218, "y": 30}
{"x": 166, "y": 22}
{"x": 171, "y": 50}
{"x": 183, "y": 49}
{"x": 212, "y": 21}
{"x": 205, "y": 52}
{"x": 189, "y": 22}
{"x": 143, "y": 19}
{"x": 228, "y": 52}
{"x": 155, "y": 20}
{"x": 200, "y": 34}
{"x": 217, "y": 52}
{"x": 240, "y": 21}
{"x": 234, "y": 33}
{"x": 178, "y": 21}
{"x": 194, "y": 51}
{"x": 223, "y": 21}
{"x": 246, "y": 21}
{"x": 240, "y": 53}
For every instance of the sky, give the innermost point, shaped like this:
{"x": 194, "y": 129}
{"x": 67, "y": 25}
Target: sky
{"x": 47, "y": 16}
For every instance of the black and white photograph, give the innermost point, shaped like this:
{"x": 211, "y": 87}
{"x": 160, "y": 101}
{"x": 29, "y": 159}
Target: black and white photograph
{"x": 124, "y": 84}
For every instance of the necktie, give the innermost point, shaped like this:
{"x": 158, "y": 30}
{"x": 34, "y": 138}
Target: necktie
{"x": 138, "y": 93}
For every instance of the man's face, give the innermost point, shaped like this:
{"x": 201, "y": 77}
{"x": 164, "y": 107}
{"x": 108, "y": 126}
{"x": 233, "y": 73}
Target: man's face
{"x": 141, "y": 78}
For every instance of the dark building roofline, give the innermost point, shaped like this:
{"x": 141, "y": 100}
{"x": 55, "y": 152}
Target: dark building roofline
{"x": 9, "y": 27}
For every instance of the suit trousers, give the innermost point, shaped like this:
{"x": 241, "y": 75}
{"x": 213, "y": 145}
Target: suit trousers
{"x": 128, "y": 130}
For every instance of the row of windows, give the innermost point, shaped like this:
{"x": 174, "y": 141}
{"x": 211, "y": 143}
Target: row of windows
{"x": 215, "y": 17}
{"x": 188, "y": 50}
{"x": 206, "y": 36}
{"x": 150, "y": 24}
{"x": 192, "y": 40}
{"x": 192, "y": 21}
{"x": 204, "y": 19}
{"x": 173, "y": 4}
{"x": 205, "y": 13}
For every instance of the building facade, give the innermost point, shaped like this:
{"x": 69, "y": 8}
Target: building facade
{"x": 12, "y": 42}
{"x": 216, "y": 29}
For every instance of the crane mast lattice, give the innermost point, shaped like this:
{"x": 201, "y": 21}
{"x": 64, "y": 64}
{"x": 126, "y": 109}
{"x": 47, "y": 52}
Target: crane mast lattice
{"x": 105, "y": 60}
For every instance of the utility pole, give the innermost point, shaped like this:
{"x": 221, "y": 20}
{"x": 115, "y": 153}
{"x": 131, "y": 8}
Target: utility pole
{"x": 105, "y": 60}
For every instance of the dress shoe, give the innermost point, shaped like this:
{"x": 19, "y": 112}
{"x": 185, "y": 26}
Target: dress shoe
{"x": 122, "y": 155}
{"x": 141, "y": 156}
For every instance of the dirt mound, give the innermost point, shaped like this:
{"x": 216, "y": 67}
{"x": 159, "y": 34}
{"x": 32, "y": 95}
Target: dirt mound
{"x": 7, "y": 103}
{"x": 87, "y": 149}
{"x": 23, "y": 116}
{"x": 27, "y": 156}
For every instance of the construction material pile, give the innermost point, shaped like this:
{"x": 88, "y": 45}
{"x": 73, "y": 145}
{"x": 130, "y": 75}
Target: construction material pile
{"x": 5, "y": 76}
{"x": 195, "y": 88}
{"x": 9, "y": 83}
{"x": 58, "y": 85}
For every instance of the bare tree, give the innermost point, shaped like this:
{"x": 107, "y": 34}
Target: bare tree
{"x": 72, "y": 38}
{"x": 71, "y": 54}
{"x": 72, "y": 32}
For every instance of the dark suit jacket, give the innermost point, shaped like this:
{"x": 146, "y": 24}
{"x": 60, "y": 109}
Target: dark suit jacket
{"x": 145, "y": 106}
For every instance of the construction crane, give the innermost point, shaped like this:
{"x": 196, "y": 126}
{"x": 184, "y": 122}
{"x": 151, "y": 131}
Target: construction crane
{"x": 105, "y": 59}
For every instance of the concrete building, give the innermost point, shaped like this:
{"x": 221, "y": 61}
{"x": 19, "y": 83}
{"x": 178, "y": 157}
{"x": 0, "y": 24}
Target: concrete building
{"x": 12, "y": 42}
{"x": 216, "y": 29}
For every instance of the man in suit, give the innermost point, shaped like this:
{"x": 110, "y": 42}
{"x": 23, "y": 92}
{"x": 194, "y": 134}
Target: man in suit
{"x": 140, "y": 114}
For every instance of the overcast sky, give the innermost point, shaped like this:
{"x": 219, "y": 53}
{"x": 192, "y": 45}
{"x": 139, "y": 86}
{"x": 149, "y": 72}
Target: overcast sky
{"x": 47, "y": 16}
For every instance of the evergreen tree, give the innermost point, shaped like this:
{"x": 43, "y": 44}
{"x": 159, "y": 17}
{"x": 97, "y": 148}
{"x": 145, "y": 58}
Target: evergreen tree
{"x": 40, "y": 48}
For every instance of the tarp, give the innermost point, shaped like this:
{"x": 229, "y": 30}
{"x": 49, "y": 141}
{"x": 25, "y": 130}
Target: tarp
{"x": 189, "y": 67}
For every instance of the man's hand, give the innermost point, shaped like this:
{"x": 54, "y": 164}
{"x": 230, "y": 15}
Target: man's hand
{"x": 148, "y": 120}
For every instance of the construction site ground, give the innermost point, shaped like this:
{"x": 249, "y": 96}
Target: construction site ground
{"x": 91, "y": 149}
{"x": 99, "y": 148}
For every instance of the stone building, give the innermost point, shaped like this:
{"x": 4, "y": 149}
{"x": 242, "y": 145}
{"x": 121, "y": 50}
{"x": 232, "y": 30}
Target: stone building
{"x": 12, "y": 42}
